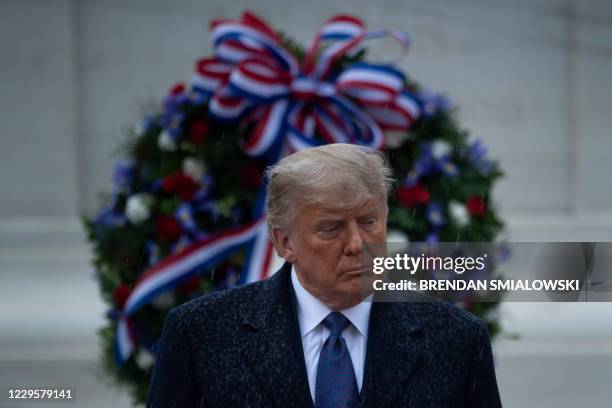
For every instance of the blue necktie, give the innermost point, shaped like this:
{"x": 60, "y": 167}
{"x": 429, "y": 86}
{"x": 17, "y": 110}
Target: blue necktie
{"x": 336, "y": 385}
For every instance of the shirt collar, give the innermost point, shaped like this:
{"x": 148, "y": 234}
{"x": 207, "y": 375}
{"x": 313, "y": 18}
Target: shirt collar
{"x": 311, "y": 311}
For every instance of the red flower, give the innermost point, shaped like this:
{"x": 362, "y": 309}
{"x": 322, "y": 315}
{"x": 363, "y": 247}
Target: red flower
{"x": 476, "y": 206}
{"x": 120, "y": 295}
{"x": 251, "y": 175}
{"x": 177, "y": 89}
{"x": 167, "y": 228}
{"x": 181, "y": 184}
{"x": 413, "y": 196}
{"x": 197, "y": 131}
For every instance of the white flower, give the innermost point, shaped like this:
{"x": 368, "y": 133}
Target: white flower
{"x": 399, "y": 240}
{"x": 163, "y": 300}
{"x": 144, "y": 359}
{"x": 138, "y": 207}
{"x": 459, "y": 213}
{"x": 165, "y": 141}
{"x": 440, "y": 148}
{"x": 194, "y": 168}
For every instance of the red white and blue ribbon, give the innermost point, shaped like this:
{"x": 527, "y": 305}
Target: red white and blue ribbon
{"x": 253, "y": 79}
{"x": 176, "y": 268}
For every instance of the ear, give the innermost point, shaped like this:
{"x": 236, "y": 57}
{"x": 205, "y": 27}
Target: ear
{"x": 283, "y": 245}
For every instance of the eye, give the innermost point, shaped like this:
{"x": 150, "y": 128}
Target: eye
{"x": 369, "y": 221}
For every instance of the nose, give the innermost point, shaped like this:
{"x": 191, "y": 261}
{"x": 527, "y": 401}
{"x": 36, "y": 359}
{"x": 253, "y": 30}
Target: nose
{"x": 354, "y": 240}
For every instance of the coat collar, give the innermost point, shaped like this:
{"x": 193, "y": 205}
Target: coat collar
{"x": 273, "y": 348}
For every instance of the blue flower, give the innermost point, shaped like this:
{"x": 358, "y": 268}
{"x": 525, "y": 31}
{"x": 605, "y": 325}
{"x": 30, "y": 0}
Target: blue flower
{"x": 432, "y": 238}
{"x": 172, "y": 122}
{"x": 435, "y": 214}
{"x": 209, "y": 208}
{"x": 411, "y": 179}
{"x": 123, "y": 176}
{"x": 485, "y": 166}
{"x": 206, "y": 184}
{"x": 198, "y": 96}
{"x": 109, "y": 216}
{"x": 446, "y": 166}
{"x": 172, "y": 116}
{"x": 434, "y": 102}
{"x": 181, "y": 244}
{"x": 425, "y": 163}
{"x": 172, "y": 103}
{"x": 184, "y": 215}
{"x": 476, "y": 153}
{"x": 152, "y": 252}
{"x": 156, "y": 186}
{"x": 431, "y": 242}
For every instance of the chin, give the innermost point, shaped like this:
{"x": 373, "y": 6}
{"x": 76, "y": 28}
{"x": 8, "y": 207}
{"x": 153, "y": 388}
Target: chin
{"x": 350, "y": 295}
{"x": 345, "y": 301}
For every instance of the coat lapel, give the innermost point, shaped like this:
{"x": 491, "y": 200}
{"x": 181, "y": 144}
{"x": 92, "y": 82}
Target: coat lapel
{"x": 273, "y": 348}
{"x": 393, "y": 356}
{"x": 274, "y": 352}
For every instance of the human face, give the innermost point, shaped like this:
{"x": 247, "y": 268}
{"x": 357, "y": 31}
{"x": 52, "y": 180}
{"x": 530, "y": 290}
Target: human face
{"x": 325, "y": 244}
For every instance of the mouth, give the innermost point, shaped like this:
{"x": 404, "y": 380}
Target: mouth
{"x": 357, "y": 271}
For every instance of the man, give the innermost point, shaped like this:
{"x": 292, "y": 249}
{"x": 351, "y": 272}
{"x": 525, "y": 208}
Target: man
{"x": 304, "y": 337}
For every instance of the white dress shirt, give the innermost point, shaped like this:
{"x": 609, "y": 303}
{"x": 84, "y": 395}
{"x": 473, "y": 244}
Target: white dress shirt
{"x": 311, "y": 312}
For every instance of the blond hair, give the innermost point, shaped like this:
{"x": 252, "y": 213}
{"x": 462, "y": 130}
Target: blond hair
{"x": 336, "y": 174}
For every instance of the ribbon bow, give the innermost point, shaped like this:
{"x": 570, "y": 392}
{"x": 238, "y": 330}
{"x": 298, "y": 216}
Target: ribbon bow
{"x": 252, "y": 78}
